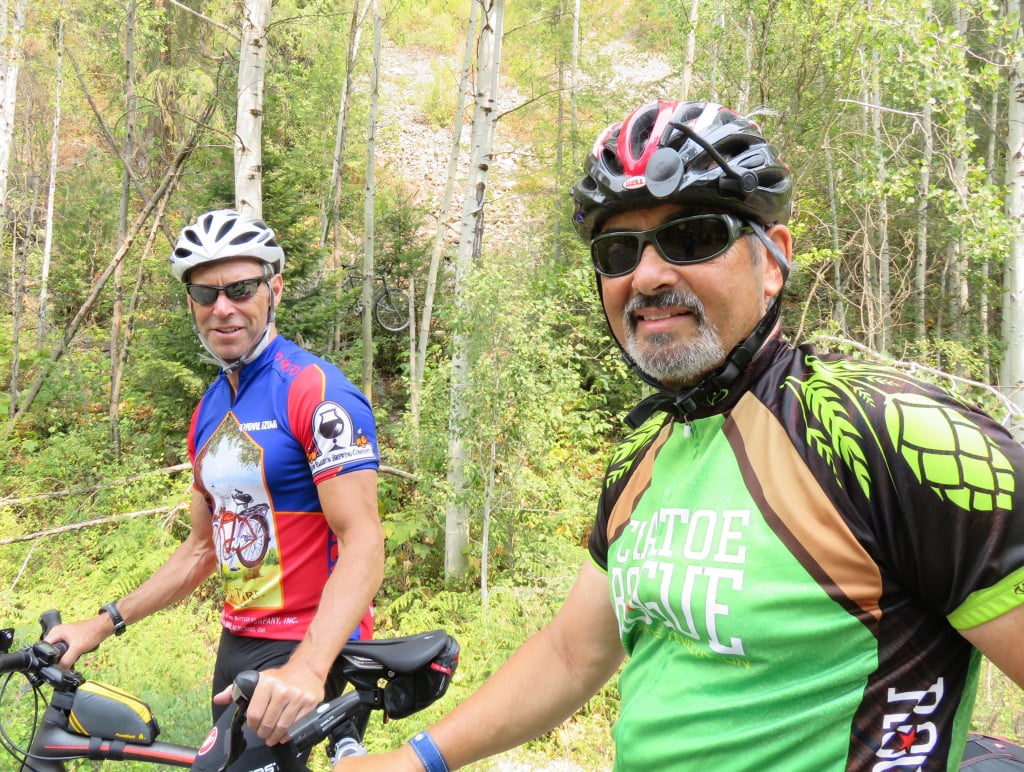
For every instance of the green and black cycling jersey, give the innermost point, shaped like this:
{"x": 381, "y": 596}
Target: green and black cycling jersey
{"x": 789, "y": 572}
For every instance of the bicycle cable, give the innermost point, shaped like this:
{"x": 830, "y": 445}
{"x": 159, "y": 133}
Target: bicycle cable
{"x": 6, "y": 741}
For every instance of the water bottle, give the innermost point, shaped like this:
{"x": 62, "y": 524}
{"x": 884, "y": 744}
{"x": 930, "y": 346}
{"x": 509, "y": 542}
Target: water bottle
{"x": 346, "y": 746}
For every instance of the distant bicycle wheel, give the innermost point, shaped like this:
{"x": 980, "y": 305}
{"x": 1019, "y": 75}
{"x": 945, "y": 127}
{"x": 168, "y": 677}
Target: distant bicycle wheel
{"x": 391, "y": 309}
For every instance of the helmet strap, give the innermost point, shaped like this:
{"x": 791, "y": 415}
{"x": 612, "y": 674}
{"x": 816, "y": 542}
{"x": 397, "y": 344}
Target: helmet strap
{"x": 711, "y": 389}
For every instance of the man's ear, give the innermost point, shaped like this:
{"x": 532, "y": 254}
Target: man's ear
{"x": 783, "y": 240}
{"x": 277, "y": 287}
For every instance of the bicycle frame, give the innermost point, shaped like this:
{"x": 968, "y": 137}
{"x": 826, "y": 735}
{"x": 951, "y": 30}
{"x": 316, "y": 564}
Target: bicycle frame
{"x": 53, "y": 746}
{"x": 396, "y": 675}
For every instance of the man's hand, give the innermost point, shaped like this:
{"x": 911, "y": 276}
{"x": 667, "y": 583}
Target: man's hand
{"x": 282, "y": 696}
{"x": 81, "y": 637}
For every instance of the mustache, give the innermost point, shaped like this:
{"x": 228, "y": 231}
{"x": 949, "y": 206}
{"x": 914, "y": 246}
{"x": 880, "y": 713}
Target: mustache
{"x": 674, "y": 298}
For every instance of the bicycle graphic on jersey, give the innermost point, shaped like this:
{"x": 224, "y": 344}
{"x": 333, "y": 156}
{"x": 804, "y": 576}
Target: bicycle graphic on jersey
{"x": 244, "y": 534}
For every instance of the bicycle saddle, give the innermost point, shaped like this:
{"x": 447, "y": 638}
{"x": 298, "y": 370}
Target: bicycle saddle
{"x": 403, "y": 655}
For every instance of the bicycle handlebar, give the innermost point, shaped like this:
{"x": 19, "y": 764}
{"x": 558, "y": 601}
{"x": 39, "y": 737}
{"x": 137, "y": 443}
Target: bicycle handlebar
{"x": 398, "y": 676}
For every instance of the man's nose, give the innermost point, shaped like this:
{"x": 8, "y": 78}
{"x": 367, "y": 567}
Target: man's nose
{"x": 223, "y": 305}
{"x": 654, "y": 273}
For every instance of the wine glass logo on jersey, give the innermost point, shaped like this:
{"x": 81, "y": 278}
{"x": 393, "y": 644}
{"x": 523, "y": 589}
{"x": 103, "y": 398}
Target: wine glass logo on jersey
{"x": 332, "y": 428}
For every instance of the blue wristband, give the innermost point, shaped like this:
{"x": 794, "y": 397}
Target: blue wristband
{"x": 428, "y": 752}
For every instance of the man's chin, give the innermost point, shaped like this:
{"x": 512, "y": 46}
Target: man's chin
{"x": 675, "y": 374}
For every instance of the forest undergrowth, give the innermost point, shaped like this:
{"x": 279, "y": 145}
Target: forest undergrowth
{"x": 166, "y": 659}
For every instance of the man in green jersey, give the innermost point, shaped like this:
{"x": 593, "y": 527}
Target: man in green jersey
{"x": 802, "y": 557}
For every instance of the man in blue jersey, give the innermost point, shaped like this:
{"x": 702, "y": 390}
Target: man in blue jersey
{"x": 799, "y": 558}
{"x": 284, "y": 500}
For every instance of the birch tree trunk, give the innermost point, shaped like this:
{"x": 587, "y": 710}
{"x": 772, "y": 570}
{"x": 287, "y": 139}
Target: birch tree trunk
{"x": 442, "y": 224}
{"x": 924, "y": 189}
{"x": 985, "y": 304}
{"x": 44, "y": 277}
{"x": 12, "y": 22}
{"x": 484, "y": 117}
{"x": 1011, "y": 376}
{"x": 332, "y": 208}
{"x": 332, "y": 211}
{"x": 691, "y": 50}
{"x": 368, "y": 206}
{"x": 881, "y": 289}
{"x": 252, "y": 60}
{"x": 117, "y": 313}
{"x": 959, "y": 291}
{"x": 574, "y": 81}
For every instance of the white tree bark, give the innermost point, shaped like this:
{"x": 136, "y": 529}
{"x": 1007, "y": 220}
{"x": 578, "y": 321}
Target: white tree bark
{"x": 442, "y": 226}
{"x": 368, "y": 208}
{"x": 332, "y": 211}
{"x": 44, "y": 277}
{"x": 1011, "y": 376}
{"x": 118, "y": 338}
{"x": 252, "y": 60}
{"x": 691, "y": 50}
{"x": 12, "y": 22}
{"x": 484, "y": 118}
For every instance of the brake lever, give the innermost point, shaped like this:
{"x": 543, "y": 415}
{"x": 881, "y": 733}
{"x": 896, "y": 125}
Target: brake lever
{"x": 241, "y": 692}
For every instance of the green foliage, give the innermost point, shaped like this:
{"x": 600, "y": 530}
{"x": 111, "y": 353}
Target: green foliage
{"x": 435, "y": 25}
{"x": 440, "y": 99}
{"x": 488, "y": 633}
{"x": 548, "y": 387}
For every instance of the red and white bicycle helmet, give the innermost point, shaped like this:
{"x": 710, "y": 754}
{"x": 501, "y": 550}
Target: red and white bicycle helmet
{"x": 692, "y": 153}
{"x": 221, "y": 235}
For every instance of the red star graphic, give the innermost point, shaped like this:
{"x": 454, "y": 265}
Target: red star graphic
{"x": 907, "y": 740}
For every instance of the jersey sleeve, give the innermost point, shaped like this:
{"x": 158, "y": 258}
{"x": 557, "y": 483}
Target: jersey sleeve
{"x": 629, "y": 456}
{"x": 598, "y": 543}
{"x": 333, "y": 422}
{"x": 192, "y": 449}
{"x": 958, "y": 478}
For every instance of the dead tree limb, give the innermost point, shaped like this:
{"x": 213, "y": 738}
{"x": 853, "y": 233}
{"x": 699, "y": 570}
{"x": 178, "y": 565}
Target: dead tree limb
{"x": 165, "y": 188}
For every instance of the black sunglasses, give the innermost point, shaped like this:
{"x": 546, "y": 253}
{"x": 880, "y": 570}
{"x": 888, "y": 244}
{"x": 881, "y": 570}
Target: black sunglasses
{"x": 236, "y": 291}
{"x": 682, "y": 241}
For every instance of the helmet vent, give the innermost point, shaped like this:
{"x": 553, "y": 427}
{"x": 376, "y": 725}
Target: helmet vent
{"x": 225, "y": 228}
{"x": 612, "y": 162}
{"x": 641, "y": 133}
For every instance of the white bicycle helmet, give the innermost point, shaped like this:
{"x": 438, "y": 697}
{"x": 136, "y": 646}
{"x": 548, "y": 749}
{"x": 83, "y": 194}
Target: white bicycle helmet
{"x": 224, "y": 234}
{"x": 221, "y": 235}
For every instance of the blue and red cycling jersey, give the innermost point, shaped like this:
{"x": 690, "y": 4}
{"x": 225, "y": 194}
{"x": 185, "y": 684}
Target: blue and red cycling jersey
{"x": 257, "y": 456}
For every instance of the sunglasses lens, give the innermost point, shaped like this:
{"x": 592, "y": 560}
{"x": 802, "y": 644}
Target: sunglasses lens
{"x": 242, "y": 290}
{"x": 237, "y": 291}
{"x": 615, "y": 254}
{"x": 694, "y": 240}
{"x": 687, "y": 240}
{"x": 202, "y": 294}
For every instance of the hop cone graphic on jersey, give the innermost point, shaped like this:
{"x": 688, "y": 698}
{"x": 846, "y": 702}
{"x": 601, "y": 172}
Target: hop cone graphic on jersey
{"x": 949, "y": 453}
{"x": 946, "y": 450}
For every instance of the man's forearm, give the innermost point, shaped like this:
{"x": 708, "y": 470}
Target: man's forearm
{"x": 187, "y": 567}
{"x": 535, "y": 691}
{"x": 346, "y": 597}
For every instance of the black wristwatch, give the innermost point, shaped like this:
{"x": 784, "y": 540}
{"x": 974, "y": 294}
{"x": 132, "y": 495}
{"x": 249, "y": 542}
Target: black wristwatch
{"x": 115, "y": 616}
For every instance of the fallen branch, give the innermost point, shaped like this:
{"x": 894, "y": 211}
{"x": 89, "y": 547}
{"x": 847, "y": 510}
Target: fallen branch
{"x": 92, "y": 488}
{"x": 169, "y": 511}
{"x": 14, "y": 500}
